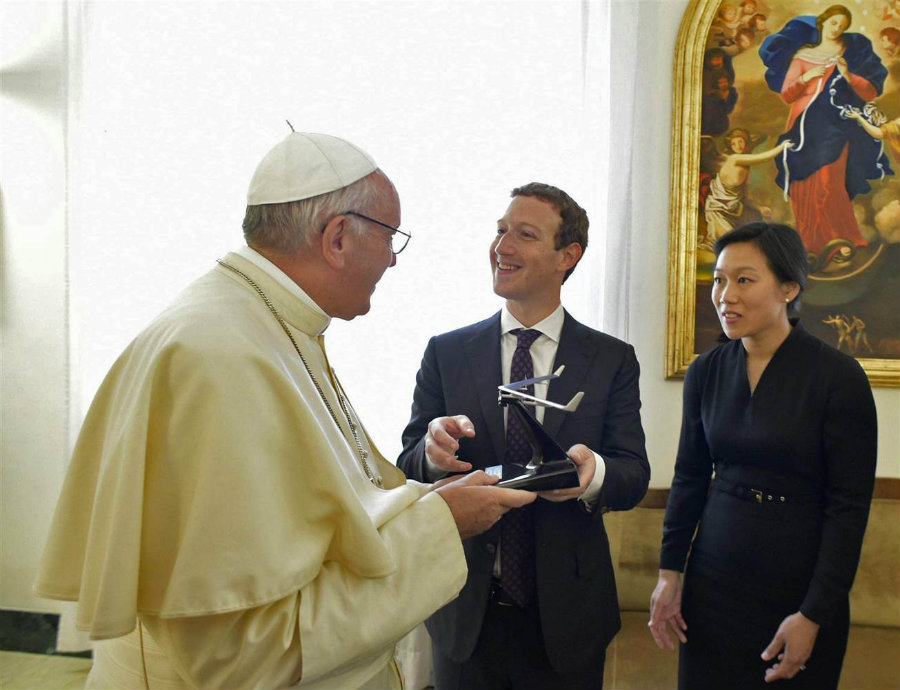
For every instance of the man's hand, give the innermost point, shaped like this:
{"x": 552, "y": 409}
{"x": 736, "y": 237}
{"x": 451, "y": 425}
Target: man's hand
{"x": 476, "y": 505}
{"x": 665, "y": 610}
{"x": 441, "y": 442}
{"x": 583, "y": 457}
{"x": 793, "y": 643}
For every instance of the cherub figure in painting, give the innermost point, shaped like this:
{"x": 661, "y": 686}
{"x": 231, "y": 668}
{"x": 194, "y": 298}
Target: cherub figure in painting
{"x": 725, "y": 24}
{"x": 889, "y": 37}
{"x": 823, "y": 71}
{"x": 760, "y": 26}
{"x": 748, "y": 9}
{"x": 743, "y": 40}
{"x": 725, "y": 206}
{"x": 875, "y": 124}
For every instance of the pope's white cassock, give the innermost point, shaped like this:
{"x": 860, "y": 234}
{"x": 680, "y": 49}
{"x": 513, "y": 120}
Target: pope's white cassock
{"x": 213, "y": 499}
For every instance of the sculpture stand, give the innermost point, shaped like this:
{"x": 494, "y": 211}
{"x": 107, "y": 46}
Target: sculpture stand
{"x": 549, "y": 467}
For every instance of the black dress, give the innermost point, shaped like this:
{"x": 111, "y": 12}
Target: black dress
{"x": 781, "y": 528}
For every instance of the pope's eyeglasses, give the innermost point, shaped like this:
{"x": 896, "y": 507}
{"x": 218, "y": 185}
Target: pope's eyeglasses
{"x": 406, "y": 235}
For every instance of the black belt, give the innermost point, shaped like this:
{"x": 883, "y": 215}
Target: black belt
{"x": 762, "y": 496}
{"x": 500, "y": 596}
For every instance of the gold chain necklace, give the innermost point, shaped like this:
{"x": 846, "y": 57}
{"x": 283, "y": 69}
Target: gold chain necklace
{"x": 363, "y": 453}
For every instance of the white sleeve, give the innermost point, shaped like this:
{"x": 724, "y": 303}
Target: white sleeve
{"x": 592, "y": 492}
{"x": 432, "y": 472}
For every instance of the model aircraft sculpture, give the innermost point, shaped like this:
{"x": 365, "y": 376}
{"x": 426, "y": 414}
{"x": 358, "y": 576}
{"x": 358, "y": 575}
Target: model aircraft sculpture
{"x": 549, "y": 467}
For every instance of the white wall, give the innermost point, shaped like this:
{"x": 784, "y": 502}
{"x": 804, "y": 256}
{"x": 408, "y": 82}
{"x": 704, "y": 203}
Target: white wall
{"x": 33, "y": 321}
{"x": 661, "y": 414}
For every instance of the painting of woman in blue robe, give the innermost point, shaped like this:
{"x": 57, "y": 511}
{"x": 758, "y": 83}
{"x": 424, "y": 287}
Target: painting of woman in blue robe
{"x": 825, "y": 73}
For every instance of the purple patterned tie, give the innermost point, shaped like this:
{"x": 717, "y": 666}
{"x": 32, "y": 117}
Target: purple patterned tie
{"x": 517, "y": 564}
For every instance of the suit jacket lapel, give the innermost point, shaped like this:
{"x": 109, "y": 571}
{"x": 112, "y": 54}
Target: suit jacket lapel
{"x": 575, "y": 352}
{"x": 482, "y": 352}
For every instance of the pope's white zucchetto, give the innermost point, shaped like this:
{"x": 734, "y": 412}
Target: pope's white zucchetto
{"x": 304, "y": 165}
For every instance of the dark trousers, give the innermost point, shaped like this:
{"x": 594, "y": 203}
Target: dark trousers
{"x": 510, "y": 655}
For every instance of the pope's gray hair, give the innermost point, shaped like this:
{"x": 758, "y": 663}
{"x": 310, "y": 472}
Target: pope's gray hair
{"x": 290, "y": 226}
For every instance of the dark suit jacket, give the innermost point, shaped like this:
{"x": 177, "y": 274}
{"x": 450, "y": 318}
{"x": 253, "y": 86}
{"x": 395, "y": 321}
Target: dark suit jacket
{"x": 576, "y": 591}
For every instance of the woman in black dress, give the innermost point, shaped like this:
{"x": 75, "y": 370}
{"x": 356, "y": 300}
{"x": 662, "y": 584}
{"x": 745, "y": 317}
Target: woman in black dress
{"x": 787, "y": 424}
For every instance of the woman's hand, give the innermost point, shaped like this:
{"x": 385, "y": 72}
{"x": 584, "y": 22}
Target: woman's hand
{"x": 665, "y": 610}
{"x": 793, "y": 643}
{"x": 842, "y": 68}
{"x": 813, "y": 73}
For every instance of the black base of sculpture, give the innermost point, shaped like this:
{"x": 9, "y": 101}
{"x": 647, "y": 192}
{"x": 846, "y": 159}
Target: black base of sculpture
{"x": 558, "y": 474}
{"x": 549, "y": 467}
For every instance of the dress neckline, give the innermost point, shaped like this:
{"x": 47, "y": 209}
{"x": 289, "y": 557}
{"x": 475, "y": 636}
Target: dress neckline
{"x": 818, "y": 56}
{"x": 775, "y": 355}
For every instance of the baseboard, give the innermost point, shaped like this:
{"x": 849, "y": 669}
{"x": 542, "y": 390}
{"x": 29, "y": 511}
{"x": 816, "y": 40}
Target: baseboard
{"x": 34, "y": 633}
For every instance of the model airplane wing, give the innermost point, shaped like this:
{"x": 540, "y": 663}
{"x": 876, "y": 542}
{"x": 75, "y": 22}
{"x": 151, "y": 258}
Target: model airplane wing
{"x": 512, "y": 391}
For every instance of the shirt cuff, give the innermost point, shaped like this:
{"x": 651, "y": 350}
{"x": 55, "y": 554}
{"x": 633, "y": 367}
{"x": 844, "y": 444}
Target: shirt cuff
{"x": 592, "y": 492}
{"x": 433, "y": 472}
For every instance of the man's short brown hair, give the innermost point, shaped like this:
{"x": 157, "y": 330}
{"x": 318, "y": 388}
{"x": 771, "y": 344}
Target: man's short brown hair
{"x": 574, "y": 225}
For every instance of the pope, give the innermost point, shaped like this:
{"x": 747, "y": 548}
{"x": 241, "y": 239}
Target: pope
{"x": 226, "y": 521}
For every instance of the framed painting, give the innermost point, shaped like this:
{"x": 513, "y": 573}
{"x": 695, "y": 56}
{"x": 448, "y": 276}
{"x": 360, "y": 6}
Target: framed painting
{"x": 787, "y": 110}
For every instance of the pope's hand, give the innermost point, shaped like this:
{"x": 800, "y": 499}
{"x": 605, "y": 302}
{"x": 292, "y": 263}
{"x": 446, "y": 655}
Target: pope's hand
{"x": 476, "y": 505}
{"x": 442, "y": 442}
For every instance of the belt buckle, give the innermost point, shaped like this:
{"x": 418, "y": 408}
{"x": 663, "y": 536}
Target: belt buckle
{"x": 757, "y": 495}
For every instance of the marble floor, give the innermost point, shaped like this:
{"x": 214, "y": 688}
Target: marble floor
{"x": 22, "y": 671}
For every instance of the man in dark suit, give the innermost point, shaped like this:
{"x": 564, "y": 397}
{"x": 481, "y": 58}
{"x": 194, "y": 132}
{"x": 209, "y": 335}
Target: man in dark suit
{"x": 539, "y": 607}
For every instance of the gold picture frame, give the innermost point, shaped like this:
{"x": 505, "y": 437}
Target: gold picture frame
{"x": 685, "y": 284}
